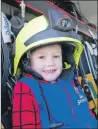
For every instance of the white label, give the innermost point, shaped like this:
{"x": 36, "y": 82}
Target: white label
{"x": 6, "y": 29}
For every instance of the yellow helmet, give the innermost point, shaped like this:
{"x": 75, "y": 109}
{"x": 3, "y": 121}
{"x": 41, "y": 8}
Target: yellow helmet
{"x": 40, "y": 31}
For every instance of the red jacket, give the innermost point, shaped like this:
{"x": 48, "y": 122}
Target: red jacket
{"x": 25, "y": 112}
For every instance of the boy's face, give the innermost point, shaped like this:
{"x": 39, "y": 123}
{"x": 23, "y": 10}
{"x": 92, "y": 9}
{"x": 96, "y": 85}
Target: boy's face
{"x": 47, "y": 61}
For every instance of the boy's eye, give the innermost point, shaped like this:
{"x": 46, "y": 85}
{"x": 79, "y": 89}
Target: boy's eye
{"x": 56, "y": 56}
{"x": 41, "y": 57}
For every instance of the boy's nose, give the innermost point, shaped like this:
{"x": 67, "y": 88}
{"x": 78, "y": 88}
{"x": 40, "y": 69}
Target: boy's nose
{"x": 50, "y": 62}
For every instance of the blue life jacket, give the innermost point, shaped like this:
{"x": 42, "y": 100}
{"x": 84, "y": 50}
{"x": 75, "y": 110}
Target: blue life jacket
{"x": 67, "y": 103}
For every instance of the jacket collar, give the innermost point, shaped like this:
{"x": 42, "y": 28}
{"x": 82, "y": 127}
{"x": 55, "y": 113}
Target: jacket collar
{"x": 40, "y": 79}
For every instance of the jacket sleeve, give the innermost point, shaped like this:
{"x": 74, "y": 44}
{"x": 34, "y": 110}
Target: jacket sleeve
{"x": 25, "y": 111}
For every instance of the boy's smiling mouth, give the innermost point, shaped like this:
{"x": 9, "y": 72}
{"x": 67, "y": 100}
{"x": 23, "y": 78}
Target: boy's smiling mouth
{"x": 49, "y": 71}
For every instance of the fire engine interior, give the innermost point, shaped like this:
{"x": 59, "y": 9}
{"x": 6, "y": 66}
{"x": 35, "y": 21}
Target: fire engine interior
{"x": 18, "y": 13}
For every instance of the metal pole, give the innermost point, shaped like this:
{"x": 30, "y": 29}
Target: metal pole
{"x": 91, "y": 63}
{"x": 87, "y": 60}
{"x": 81, "y": 68}
{"x": 22, "y": 5}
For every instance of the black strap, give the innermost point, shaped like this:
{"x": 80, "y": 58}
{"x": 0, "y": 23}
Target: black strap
{"x": 5, "y": 62}
{"x": 7, "y": 119}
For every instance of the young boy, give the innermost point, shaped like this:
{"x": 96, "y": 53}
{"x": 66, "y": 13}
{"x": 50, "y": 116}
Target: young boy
{"x": 32, "y": 112}
{"x": 43, "y": 98}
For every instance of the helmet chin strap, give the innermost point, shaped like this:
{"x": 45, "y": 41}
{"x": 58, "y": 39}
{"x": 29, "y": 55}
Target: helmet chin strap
{"x": 31, "y": 71}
